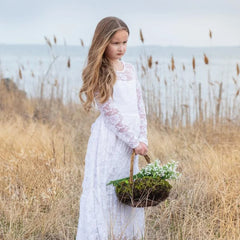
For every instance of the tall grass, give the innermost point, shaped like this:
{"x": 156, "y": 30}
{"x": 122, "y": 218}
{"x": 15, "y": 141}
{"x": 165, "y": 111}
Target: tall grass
{"x": 41, "y": 170}
{"x": 43, "y": 143}
{"x": 179, "y": 99}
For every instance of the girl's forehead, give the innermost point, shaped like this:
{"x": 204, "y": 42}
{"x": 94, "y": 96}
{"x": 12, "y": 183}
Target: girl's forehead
{"x": 120, "y": 34}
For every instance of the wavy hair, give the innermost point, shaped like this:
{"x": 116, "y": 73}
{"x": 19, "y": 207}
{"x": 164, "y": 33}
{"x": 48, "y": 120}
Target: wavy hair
{"x": 99, "y": 76}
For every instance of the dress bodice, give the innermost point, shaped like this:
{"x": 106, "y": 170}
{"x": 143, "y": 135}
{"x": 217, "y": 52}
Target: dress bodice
{"x": 124, "y": 91}
{"x": 124, "y": 113}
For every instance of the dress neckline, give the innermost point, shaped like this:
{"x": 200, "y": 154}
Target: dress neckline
{"x": 119, "y": 71}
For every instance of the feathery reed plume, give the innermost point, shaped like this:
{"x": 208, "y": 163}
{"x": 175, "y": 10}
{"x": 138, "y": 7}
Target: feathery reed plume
{"x": 237, "y": 93}
{"x": 185, "y": 105}
{"x": 32, "y": 73}
{"x": 172, "y": 64}
{"x": 54, "y": 39}
{"x": 234, "y": 80}
{"x": 205, "y": 59}
{"x": 194, "y": 64}
{"x": 143, "y": 69}
{"x": 238, "y": 71}
{"x": 211, "y": 83}
{"x": 141, "y": 36}
{"x": 210, "y": 33}
{"x": 55, "y": 82}
{"x": 20, "y": 73}
{"x": 48, "y": 42}
{"x": 150, "y": 62}
{"x": 82, "y": 43}
{"x": 69, "y": 63}
{"x": 219, "y": 99}
{"x": 183, "y": 66}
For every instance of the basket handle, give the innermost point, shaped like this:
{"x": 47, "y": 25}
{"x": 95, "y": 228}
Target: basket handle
{"x": 131, "y": 165}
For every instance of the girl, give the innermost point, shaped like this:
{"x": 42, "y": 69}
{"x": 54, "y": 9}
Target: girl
{"x": 120, "y": 128}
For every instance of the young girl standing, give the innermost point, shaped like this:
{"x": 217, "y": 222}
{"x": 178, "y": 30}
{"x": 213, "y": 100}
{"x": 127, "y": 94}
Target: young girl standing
{"x": 120, "y": 128}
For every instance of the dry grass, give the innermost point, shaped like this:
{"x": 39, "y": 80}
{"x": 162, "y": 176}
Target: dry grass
{"x": 37, "y": 167}
{"x": 205, "y": 203}
{"x": 42, "y": 149}
{"x": 41, "y": 169}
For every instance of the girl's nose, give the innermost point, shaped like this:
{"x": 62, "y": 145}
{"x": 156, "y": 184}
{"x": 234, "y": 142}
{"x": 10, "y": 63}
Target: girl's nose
{"x": 120, "y": 47}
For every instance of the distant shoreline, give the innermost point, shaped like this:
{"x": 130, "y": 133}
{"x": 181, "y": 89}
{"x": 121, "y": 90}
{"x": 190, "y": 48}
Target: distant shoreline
{"x": 130, "y": 46}
{"x": 224, "y": 52}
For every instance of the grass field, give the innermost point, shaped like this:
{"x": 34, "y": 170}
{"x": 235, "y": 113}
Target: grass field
{"x": 42, "y": 166}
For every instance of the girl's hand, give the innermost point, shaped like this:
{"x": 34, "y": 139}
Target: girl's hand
{"x": 141, "y": 149}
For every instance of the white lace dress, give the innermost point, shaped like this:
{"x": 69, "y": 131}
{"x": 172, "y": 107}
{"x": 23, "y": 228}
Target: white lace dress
{"x": 118, "y": 129}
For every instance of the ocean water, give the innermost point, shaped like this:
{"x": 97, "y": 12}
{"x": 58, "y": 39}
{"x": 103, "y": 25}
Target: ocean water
{"x": 42, "y": 64}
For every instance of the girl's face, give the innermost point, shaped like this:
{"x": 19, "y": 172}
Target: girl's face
{"x": 117, "y": 46}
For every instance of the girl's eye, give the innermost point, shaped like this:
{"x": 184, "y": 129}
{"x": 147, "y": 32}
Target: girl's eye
{"x": 117, "y": 43}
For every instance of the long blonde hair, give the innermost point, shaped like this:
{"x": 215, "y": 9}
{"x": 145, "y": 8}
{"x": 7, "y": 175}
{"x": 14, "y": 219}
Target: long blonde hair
{"x": 99, "y": 76}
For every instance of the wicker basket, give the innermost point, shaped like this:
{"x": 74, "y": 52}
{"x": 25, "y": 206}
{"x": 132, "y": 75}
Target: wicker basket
{"x": 142, "y": 192}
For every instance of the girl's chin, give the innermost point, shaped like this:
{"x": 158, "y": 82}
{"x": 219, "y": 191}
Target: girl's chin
{"x": 116, "y": 59}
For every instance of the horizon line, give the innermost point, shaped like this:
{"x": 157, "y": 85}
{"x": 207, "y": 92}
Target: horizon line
{"x": 140, "y": 45}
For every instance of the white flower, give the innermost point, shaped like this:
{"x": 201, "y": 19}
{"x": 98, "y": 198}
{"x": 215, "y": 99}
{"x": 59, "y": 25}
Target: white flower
{"x": 167, "y": 171}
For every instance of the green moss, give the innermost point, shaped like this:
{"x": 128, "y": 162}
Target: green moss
{"x": 146, "y": 190}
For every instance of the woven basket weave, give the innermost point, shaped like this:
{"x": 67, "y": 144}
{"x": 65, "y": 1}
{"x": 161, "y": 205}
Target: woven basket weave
{"x": 142, "y": 192}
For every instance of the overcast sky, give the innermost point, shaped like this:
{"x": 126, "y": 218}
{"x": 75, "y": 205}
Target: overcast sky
{"x": 163, "y": 22}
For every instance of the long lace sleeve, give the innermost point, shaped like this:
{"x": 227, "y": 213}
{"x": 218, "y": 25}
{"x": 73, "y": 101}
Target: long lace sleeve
{"x": 115, "y": 122}
{"x": 142, "y": 114}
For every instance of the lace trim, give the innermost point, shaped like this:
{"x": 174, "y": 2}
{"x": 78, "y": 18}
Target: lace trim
{"x": 115, "y": 121}
{"x": 127, "y": 74}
